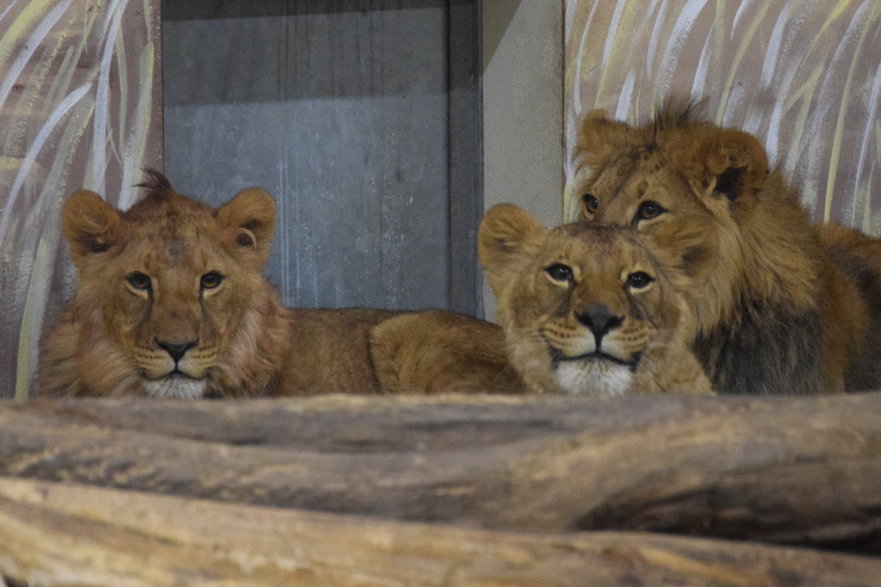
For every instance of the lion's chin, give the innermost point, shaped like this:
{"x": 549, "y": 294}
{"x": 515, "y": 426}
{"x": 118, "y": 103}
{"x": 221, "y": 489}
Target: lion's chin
{"x": 176, "y": 386}
{"x": 594, "y": 373}
{"x": 593, "y": 376}
{"x": 596, "y": 357}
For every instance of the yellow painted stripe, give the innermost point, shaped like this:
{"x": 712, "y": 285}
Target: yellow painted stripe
{"x": 29, "y": 331}
{"x": 745, "y": 45}
{"x": 838, "y": 135}
{"x": 13, "y": 34}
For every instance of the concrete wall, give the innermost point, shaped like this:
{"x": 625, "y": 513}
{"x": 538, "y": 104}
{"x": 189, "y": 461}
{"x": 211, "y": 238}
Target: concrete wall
{"x": 523, "y": 108}
{"x": 366, "y": 113}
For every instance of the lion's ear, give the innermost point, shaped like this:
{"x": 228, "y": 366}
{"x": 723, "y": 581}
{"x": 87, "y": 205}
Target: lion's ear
{"x": 248, "y": 221}
{"x": 735, "y": 161}
{"x": 505, "y": 234}
{"x": 599, "y": 137}
{"x": 89, "y": 224}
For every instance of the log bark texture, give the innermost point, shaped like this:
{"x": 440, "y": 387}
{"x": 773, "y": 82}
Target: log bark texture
{"x": 803, "y": 471}
{"x": 68, "y": 534}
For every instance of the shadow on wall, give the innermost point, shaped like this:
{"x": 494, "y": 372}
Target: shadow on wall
{"x": 503, "y": 12}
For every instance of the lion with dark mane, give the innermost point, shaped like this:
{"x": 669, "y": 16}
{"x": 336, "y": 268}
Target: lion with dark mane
{"x": 788, "y": 308}
{"x": 172, "y": 302}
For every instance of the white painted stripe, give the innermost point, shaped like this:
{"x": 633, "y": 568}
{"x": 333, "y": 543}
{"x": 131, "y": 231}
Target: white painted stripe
{"x": 39, "y": 141}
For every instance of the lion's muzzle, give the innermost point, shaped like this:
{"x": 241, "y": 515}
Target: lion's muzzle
{"x": 177, "y": 350}
{"x": 600, "y": 320}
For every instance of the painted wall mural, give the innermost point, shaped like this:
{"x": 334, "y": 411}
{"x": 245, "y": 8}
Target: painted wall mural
{"x": 80, "y": 106}
{"x": 803, "y": 76}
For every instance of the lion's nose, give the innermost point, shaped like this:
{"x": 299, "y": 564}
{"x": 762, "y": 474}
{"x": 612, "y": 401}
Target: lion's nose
{"x": 600, "y": 320}
{"x": 176, "y": 350}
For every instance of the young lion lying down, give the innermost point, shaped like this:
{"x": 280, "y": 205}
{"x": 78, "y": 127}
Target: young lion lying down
{"x": 172, "y": 303}
{"x": 587, "y": 309}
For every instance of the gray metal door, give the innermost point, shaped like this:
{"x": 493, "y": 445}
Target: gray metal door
{"x": 361, "y": 117}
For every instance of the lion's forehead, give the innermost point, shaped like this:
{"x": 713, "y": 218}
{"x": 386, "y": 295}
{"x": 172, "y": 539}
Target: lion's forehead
{"x": 188, "y": 250}
{"x": 629, "y": 180}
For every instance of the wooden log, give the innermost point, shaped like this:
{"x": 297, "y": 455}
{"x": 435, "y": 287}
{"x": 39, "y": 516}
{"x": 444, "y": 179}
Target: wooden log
{"x": 789, "y": 470}
{"x": 58, "y": 533}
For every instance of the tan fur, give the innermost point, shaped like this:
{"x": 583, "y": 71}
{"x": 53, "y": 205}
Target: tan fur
{"x": 575, "y": 319}
{"x": 434, "y": 351}
{"x": 172, "y": 275}
{"x": 777, "y": 314}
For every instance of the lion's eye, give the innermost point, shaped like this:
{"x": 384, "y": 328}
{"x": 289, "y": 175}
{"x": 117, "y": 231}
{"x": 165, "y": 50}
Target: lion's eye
{"x": 139, "y": 281}
{"x": 639, "y": 280}
{"x": 591, "y": 203}
{"x": 211, "y": 280}
{"x": 560, "y": 272}
{"x": 648, "y": 210}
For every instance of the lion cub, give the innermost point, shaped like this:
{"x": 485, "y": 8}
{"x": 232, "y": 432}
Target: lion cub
{"x": 172, "y": 303}
{"x": 587, "y": 309}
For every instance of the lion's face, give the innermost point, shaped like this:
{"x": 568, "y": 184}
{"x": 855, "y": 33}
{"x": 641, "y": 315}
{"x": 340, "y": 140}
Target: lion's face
{"x": 636, "y": 190}
{"x": 173, "y": 281}
{"x": 690, "y": 186}
{"x": 580, "y": 304}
